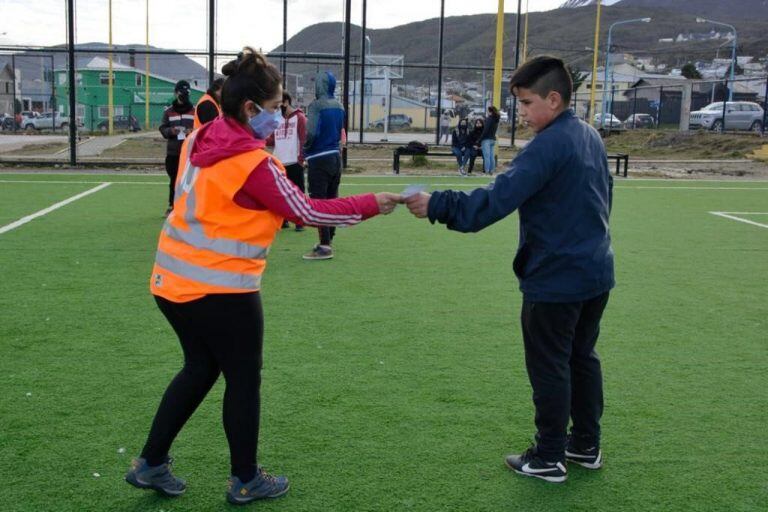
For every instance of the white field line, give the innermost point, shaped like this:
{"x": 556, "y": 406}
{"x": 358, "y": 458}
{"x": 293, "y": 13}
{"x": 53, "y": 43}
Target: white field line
{"x": 24, "y": 220}
{"x": 398, "y": 184}
{"x": 732, "y": 216}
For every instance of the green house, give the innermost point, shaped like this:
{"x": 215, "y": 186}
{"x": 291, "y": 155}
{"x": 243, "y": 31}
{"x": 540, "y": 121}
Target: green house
{"x": 128, "y": 92}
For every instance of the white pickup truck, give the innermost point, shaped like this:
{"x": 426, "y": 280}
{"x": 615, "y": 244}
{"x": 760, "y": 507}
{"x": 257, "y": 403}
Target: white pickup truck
{"x": 45, "y": 122}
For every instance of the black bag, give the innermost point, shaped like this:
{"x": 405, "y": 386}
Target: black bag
{"x": 416, "y": 148}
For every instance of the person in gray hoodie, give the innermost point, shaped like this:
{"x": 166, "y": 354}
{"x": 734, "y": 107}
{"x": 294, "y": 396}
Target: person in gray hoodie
{"x": 325, "y": 122}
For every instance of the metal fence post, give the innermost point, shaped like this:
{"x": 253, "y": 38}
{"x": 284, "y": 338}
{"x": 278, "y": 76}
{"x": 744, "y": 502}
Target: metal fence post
{"x": 439, "y": 110}
{"x": 71, "y": 66}
{"x": 347, "y": 35}
{"x": 725, "y": 102}
{"x": 13, "y": 109}
{"x": 211, "y": 40}
{"x": 610, "y": 119}
{"x": 362, "y": 71}
{"x": 513, "y": 117}
{"x": 634, "y": 109}
{"x": 661, "y": 106}
{"x": 765, "y": 109}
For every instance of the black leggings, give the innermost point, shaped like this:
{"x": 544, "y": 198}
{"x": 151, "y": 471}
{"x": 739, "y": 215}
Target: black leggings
{"x": 218, "y": 333}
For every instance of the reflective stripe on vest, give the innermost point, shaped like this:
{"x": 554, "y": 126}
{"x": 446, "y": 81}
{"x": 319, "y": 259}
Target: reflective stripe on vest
{"x": 196, "y": 238}
{"x": 207, "y": 275}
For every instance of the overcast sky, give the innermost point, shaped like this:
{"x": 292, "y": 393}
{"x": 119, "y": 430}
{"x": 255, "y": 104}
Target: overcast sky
{"x": 182, "y": 24}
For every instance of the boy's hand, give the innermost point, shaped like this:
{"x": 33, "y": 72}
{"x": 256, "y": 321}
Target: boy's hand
{"x": 387, "y": 202}
{"x": 417, "y": 204}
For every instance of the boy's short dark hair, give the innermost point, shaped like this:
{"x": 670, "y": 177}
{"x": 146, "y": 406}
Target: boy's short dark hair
{"x": 287, "y": 97}
{"x": 542, "y": 75}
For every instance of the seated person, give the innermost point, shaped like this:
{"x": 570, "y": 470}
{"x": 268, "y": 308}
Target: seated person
{"x": 475, "y": 136}
{"x": 460, "y": 145}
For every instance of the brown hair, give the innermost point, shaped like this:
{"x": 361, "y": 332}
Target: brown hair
{"x": 494, "y": 112}
{"x": 249, "y": 77}
{"x": 543, "y": 75}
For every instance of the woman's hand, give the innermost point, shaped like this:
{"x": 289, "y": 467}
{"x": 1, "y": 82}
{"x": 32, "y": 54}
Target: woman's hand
{"x": 387, "y": 202}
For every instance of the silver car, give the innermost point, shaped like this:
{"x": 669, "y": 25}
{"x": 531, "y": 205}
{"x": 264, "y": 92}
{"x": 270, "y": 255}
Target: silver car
{"x": 739, "y": 115}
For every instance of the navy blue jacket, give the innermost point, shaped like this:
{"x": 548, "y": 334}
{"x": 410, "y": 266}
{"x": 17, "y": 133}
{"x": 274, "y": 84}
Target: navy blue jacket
{"x": 561, "y": 185}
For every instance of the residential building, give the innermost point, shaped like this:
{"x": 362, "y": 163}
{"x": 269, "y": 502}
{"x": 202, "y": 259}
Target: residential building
{"x": 128, "y": 90}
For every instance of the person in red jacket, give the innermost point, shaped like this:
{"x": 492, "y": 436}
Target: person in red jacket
{"x": 288, "y": 142}
{"x": 231, "y": 200}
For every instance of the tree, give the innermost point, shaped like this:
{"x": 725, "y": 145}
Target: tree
{"x": 690, "y": 72}
{"x": 577, "y": 77}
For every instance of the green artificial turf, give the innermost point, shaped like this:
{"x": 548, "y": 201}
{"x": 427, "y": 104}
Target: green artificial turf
{"x": 394, "y": 375}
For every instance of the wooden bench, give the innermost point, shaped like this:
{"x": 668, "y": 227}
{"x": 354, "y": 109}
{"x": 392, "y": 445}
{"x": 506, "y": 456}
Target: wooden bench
{"x": 618, "y": 157}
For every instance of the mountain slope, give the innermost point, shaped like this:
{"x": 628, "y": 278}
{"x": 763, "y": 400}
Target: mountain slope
{"x": 568, "y": 33}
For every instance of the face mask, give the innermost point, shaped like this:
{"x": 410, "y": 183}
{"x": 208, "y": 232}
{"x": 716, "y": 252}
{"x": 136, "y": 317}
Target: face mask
{"x": 264, "y": 123}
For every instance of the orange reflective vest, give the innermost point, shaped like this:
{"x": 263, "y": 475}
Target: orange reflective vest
{"x": 206, "y": 97}
{"x": 209, "y": 244}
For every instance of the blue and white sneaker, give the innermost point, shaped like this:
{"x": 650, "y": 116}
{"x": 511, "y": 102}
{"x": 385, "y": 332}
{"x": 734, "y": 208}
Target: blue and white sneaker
{"x": 530, "y": 464}
{"x": 160, "y": 478}
{"x": 262, "y": 486}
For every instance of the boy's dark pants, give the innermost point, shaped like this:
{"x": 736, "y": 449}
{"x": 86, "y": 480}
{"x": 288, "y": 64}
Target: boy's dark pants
{"x": 324, "y": 173}
{"x": 564, "y": 371}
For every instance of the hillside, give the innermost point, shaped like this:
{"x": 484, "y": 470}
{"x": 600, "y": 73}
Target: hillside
{"x": 566, "y": 32}
{"x": 170, "y": 66}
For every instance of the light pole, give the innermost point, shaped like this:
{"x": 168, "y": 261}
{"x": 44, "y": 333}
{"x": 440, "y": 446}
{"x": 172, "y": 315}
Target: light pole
{"x": 608, "y": 62}
{"x": 717, "y": 56}
{"x": 733, "y": 51}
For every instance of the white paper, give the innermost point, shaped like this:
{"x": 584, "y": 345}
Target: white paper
{"x": 412, "y": 190}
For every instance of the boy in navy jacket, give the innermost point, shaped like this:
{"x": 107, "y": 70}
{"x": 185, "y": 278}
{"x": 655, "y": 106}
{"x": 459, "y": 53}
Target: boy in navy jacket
{"x": 561, "y": 185}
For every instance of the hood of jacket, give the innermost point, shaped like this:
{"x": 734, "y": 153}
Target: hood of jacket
{"x": 222, "y": 138}
{"x": 325, "y": 85}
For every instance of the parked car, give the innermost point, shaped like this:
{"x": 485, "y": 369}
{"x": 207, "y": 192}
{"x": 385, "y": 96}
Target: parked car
{"x": 129, "y": 123}
{"x": 640, "y": 121}
{"x": 609, "y": 120}
{"x": 395, "y": 121}
{"x": 6, "y": 122}
{"x": 45, "y": 122}
{"x": 739, "y": 115}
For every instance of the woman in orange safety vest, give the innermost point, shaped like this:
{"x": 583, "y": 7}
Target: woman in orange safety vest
{"x": 207, "y": 108}
{"x": 231, "y": 199}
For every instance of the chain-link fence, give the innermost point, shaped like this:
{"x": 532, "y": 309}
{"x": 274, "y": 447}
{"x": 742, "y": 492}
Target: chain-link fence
{"x": 91, "y": 102}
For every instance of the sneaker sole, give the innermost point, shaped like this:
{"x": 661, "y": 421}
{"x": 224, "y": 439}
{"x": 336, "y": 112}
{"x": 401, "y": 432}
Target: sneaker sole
{"x": 244, "y": 501}
{"x": 131, "y": 479}
{"x": 551, "y": 479}
{"x": 312, "y": 258}
{"x": 597, "y": 464}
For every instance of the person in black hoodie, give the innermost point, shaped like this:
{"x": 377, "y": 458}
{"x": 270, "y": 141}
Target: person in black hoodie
{"x": 178, "y": 122}
{"x": 460, "y": 145}
{"x": 475, "y": 136}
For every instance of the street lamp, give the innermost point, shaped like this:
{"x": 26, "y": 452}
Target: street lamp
{"x": 733, "y": 51}
{"x": 608, "y": 60}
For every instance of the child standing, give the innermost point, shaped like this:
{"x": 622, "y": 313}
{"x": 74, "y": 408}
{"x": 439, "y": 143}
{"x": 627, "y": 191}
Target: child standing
{"x": 561, "y": 185}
